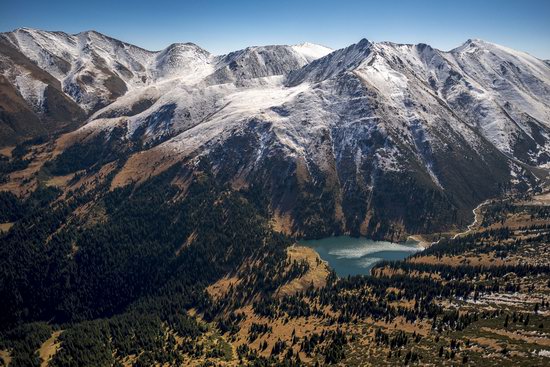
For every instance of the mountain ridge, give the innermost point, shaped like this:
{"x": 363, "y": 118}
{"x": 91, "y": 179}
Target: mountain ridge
{"x": 349, "y": 127}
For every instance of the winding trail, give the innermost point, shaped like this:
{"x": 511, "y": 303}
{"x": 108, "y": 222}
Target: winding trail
{"x": 476, "y": 218}
{"x": 470, "y": 226}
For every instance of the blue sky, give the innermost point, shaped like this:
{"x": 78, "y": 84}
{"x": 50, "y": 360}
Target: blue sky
{"x": 223, "y": 26}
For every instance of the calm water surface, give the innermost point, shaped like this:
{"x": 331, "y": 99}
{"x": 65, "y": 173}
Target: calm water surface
{"x": 352, "y": 256}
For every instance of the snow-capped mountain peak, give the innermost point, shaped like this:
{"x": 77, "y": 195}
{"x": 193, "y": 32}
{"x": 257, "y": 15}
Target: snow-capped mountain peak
{"x": 185, "y": 60}
{"x": 351, "y": 122}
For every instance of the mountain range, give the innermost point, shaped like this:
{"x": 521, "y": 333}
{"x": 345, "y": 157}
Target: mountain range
{"x": 376, "y": 139}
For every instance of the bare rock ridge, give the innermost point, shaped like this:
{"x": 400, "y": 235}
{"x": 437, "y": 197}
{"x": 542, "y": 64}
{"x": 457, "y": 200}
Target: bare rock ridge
{"x": 381, "y": 138}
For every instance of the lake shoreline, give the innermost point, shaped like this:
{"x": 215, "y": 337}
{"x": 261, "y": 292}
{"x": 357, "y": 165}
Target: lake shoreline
{"x": 358, "y": 255}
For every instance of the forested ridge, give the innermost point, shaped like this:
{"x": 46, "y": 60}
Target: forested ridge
{"x": 149, "y": 257}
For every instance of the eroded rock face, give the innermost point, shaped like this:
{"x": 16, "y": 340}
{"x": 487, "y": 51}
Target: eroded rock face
{"x": 377, "y": 138}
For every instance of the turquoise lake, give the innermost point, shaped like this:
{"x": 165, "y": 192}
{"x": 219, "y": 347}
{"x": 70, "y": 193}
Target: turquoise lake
{"x": 353, "y": 256}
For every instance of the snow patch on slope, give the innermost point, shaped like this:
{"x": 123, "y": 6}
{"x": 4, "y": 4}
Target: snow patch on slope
{"x": 32, "y": 90}
{"x": 311, "y": 51}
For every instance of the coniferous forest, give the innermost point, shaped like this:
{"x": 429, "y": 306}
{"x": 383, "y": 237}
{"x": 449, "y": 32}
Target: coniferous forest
{"x": 130, "y": 282}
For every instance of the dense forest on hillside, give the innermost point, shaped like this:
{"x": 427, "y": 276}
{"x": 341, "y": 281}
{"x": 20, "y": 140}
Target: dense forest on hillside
{"x": 111, "y": 276}
{"x": 60, "y": 267}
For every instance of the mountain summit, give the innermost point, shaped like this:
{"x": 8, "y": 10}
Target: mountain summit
{"x": 379, "y": 139}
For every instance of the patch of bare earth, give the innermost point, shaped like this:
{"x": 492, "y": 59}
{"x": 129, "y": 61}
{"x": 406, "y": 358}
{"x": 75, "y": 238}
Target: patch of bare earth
{"x": 518, "y": 220}
{"x": 281, "y": 222}
{"x": 143, "y": 165}
{"x": 25, "y": 181}
{"x": 222, "y": 286}
{"x": 421, "y": 239}
{"x": 4, "y": 227}
{"x": 187, "y": 243}
{"x": 316, "y": 275}
{"x": 281, "y": 329}
{"x": 401, "y": 324}
{"x": 49, "y": 348}
{"x": 518, "y": 336}
{"x": 459, "y": 260}
{"x": 5, "y": 356}
{"x": 517, "y": 300}
{"x": 487, "y": 342}
{"x": 389, "y": 272}
{"x": 6, "y": 151}
{"x": 542, "y": 199}
{"x": 87, "y": 183}
{"x": 60, "y": 181}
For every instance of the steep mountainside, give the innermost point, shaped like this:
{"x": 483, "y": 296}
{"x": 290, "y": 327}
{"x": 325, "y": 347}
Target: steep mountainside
{"x": 379, "y": 139}
{"x": 150, "y": 219}
{"x": 60, "y": 78}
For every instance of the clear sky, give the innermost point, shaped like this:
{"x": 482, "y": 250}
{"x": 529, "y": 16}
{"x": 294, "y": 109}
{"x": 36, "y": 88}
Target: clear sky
{"x": 223, "y": 26}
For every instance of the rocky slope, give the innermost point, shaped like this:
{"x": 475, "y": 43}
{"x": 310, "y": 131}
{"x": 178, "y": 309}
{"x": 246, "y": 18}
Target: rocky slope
{"x": 379, "y": 139}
